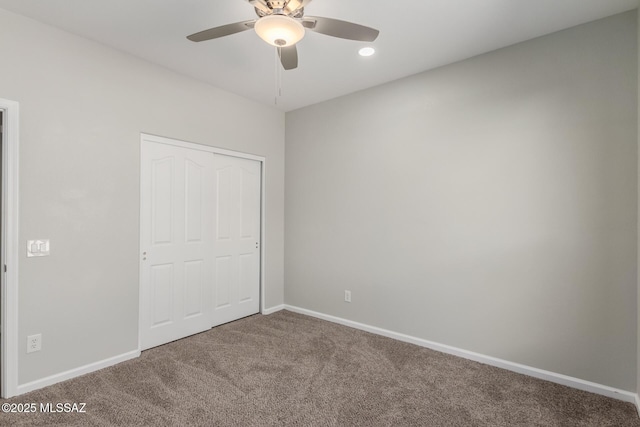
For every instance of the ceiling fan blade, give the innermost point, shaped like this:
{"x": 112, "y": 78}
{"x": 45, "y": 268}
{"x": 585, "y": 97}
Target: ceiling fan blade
{"x": 341, "y": 29}
{"x": 225, "y": 30}
{"x": 288, "y": 57}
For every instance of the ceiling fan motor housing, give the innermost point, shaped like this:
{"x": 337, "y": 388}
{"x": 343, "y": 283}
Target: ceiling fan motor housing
{"x": 276, "y": 4}
{"x": 292, "y": 8}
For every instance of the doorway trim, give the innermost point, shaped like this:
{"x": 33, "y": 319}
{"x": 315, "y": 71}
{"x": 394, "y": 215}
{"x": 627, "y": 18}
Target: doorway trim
{"x": 9, "y": 252}
{"x": 225, "y": 152}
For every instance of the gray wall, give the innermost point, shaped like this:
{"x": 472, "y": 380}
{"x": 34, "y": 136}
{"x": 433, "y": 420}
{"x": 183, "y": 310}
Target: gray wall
{"x": 82, "y": 109}
{"x": 638, "y": 250}
{"x": 489, "y": 205}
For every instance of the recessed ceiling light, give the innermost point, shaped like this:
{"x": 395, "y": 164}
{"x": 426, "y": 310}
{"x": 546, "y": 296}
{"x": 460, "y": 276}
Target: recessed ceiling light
{"x": 367, "y": 51}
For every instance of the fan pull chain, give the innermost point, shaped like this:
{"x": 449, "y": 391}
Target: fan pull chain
{"x": 278, "y": 77}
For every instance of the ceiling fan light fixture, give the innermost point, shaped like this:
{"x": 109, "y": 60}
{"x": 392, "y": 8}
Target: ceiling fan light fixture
{"x": 279, "y": 30}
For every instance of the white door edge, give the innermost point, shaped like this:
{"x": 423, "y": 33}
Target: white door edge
{"x": 9, "y": 253}
{"x": 216, "y": 150}
{"x": 263, "y": 238}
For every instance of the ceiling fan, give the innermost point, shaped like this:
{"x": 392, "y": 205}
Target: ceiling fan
{"x": 282, "y": 23}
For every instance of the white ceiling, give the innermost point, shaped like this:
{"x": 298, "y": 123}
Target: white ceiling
{"x": 415, "y": 35}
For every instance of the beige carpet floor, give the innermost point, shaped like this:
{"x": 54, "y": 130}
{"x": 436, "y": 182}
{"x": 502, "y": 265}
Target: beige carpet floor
{"x": 287, "y": 369}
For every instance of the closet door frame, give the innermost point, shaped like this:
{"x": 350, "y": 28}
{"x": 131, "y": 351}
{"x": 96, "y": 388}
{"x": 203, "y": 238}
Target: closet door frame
{"x": 225, "y": 152}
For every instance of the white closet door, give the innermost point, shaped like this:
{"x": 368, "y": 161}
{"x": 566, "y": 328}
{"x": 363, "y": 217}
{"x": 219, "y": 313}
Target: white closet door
{"x": 236, "y": 238}
{"x": 177, "y": 218}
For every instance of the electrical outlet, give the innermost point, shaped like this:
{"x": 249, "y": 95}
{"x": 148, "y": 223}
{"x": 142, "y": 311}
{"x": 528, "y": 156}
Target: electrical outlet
{"x": 347, "y": 296}
{"x": 34, "y": 343}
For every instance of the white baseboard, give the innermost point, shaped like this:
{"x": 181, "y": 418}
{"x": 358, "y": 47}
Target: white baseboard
{"x": 76, "y": 372}
{"x": 568, "y": 381}
{"x": 638, "y": 403}
{"x": 272, "y": 310}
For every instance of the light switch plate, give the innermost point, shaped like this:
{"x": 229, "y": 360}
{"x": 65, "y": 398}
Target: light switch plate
{"x": 38, "y": 247}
